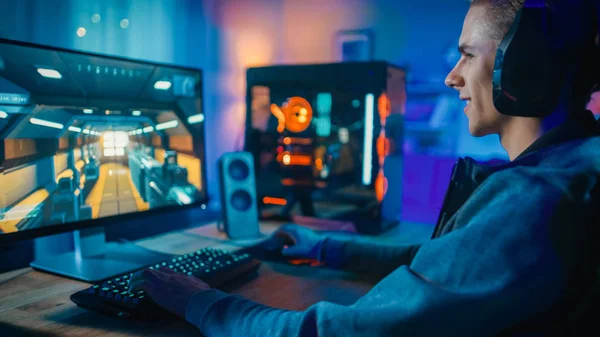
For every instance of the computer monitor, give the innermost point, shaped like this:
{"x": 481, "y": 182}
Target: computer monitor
{"x": 327, "y": 141}
{"x": 88, "y": 140}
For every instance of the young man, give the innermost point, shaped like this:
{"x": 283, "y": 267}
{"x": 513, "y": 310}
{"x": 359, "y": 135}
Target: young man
{"x": 511, "y": 252}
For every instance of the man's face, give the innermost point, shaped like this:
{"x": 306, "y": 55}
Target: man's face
{"x": 472, "y": 75}
{"x": 594, "y": 103}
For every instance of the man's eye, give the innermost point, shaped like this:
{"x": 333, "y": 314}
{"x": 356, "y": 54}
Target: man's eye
{"x": 469, "y": 56}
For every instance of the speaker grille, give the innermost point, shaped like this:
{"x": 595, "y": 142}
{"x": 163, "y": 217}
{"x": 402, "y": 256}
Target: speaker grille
{"x": 241, "y": 200}
{"x": 238, "y": 170}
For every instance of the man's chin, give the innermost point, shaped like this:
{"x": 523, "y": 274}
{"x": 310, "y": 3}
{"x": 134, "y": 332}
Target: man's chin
{"x": 478, "y": 132}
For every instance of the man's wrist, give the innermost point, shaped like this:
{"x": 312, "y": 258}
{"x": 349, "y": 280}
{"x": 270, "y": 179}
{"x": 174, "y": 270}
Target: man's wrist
{"x": 321, "y": 255}
{"x": 332, "y": 252}
{"x": 198, "y": 304}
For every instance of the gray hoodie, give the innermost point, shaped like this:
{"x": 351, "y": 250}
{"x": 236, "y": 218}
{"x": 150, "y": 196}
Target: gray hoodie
{"x": 512, "y": 256}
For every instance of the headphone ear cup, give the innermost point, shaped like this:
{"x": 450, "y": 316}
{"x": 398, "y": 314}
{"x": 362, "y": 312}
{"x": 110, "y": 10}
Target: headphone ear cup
{"x": 531, "y": 76}
{"x": 528, "y": 78}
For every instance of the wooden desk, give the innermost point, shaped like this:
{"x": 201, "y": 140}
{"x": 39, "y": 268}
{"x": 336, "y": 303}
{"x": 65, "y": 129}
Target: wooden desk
{"x": 37, "y": 304}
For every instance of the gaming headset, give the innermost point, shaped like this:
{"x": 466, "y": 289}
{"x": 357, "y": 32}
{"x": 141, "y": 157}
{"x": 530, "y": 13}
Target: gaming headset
{"x": 540, "y": 52}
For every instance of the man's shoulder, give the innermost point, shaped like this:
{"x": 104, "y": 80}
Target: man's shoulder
{"x": 578, "y": 153}
{"x": 569, "y": 170}
{"x": 568, "y": 159}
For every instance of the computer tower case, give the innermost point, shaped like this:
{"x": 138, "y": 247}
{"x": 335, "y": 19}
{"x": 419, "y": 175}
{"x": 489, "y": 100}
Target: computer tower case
{"x": 327, "y": 141}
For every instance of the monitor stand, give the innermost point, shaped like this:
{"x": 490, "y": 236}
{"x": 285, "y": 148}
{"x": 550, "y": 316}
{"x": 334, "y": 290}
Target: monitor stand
{"x": 93, "y": 259}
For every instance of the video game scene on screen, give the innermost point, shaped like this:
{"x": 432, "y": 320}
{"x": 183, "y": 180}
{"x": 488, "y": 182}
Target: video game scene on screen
{"x": 86, "y": 137}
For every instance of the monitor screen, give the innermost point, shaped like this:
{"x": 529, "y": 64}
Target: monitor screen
{"x": 87, "y": 137}
{"x": 315, "y": 151}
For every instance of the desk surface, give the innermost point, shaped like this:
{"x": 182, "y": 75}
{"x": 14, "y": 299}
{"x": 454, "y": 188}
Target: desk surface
{"x": 37, "y": 304}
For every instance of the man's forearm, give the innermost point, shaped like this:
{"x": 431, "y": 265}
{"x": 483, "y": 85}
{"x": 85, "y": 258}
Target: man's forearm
{"x": 219, "y": 314}
{"x": 366, "y": 257}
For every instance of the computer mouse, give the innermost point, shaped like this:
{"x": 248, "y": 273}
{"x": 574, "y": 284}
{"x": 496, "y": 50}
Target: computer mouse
{"x": 273, "y": 246}
{"x": 271, "y": 250}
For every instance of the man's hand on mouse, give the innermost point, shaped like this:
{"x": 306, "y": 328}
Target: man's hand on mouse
{"x": 306, "y": 243}
{"x": 167, "y": 288}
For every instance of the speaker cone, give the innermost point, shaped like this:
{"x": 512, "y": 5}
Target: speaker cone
{"x": 238, "y": 170}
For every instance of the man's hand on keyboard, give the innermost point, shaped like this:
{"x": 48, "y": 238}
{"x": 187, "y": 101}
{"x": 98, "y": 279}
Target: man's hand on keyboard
{"x": 167, "y": 288}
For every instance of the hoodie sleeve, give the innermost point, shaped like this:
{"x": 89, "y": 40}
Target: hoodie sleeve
{"x": 504, "y": 265}
{"x": 367, "y": 257}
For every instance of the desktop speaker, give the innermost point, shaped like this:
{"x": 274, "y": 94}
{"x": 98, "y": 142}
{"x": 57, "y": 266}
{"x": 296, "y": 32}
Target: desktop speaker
{"x": 238, "y": 195}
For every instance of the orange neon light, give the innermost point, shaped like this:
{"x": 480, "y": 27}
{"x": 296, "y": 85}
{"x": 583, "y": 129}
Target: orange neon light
{"x": 383, "y": 146}
{"x": 319, "y": 164}
{"x": 280, "y": 115}
{"x": 381, "y": 186}
{"x": 294, "y": 159}
{"x": 299, "y": 141}
{"x": 384, "y": 106}
{"x": 294, "y": 115}
{"x": 296, "y": 182}
{"x": 301, "y": 160}
{"x": 298, "y": 114}
{"x": 274, "y": 201}
{"x": 320, "y": 184}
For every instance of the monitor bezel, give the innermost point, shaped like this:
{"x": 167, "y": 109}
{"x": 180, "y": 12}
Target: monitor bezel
{"x": 120, "y": 218}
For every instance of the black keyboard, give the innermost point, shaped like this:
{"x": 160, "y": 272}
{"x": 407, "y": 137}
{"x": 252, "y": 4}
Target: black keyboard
{"x": 216, "y": 267}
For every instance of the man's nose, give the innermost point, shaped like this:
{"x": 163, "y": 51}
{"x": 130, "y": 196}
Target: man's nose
{"x": 454, "y": 80}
